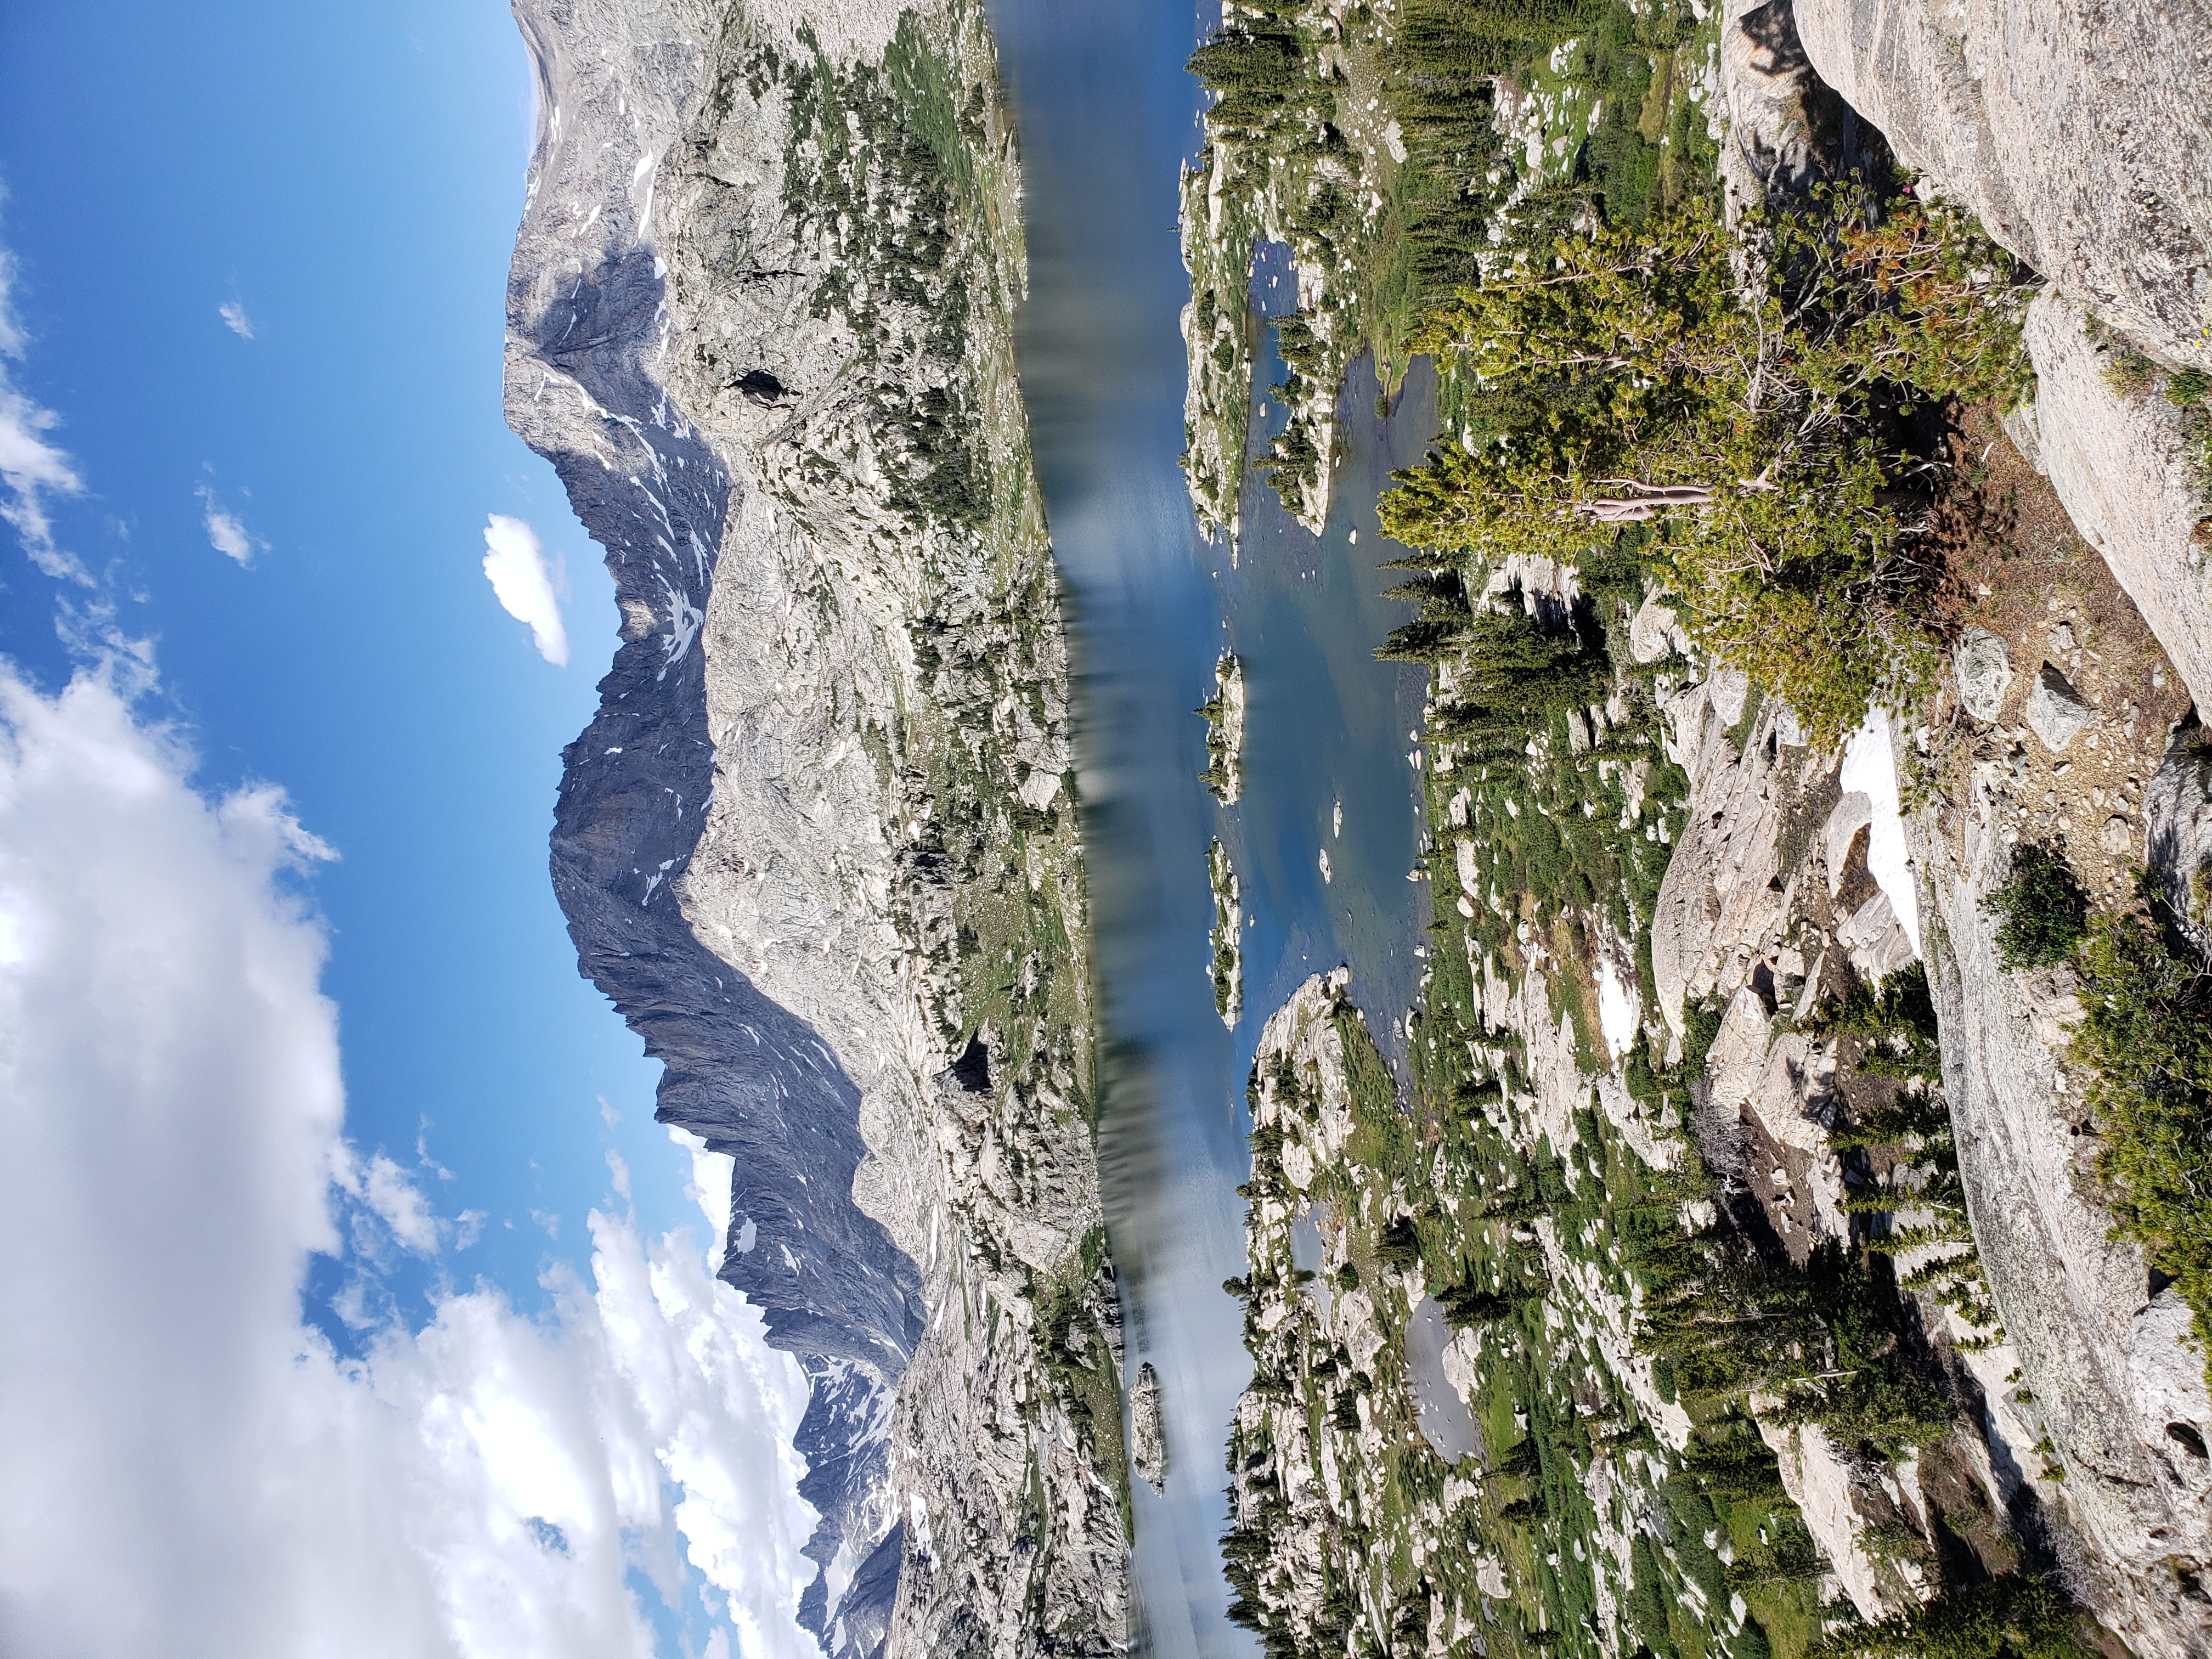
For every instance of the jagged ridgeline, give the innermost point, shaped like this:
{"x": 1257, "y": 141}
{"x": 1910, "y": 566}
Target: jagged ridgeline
{"x": 1648, "y": 1312}
{"x": 819, "y": 844}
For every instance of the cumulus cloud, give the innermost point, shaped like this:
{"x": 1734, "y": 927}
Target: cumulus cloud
{"x": 387, "y": 1192}
{"x": 515, "y": 563}
{"x": 235, "y": 319}
{"x": 191, "y": 1468}
{"x": 31, "y": 470}
{"x": 710, "y": 1188}
{"x": 225, "y": 533}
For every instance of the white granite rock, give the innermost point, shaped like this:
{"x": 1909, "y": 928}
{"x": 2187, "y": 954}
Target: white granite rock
{"x": 2121, "y": 467}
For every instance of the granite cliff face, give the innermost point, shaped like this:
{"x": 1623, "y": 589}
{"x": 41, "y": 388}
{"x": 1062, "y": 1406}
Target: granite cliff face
{"x": 2076, "y": 131}
{"x": 2081, "y": 137}
{"x": 818, "y": 845}
{"x": 2106, "y": 1382}
{"x": 2121, "y": 465}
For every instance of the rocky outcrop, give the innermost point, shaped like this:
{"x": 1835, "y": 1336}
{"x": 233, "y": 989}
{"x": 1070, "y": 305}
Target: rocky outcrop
{"x": 2120, "y": 466}
{"x": 1780, "y": 127}
{"x": 1330, "y": 1482}
{"x": 1225, "y": 964}
{"x": 1770, "y": 886}
{"x": 2091, "y": 1406}
{"x": 2078, "y": 131}
{"x": 2177, "y": 827}
{"x": 2077, "y": 1304}
{"x": 2070, "y": 753}
{"x": 1224, "y": 714}
{"x": 816, "y": 845}
{"x": 2081, "y": 136}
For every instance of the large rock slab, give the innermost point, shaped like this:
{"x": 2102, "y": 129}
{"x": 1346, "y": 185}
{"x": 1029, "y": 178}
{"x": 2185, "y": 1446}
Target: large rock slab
{"x": 2101, "y": 1365}
{"x": 2120, "y": 467}
{"x": 2081, "y": 132}
{"x": 1822, "y": 1484}
{"x": 1780, "y": 128}
{"x": 1720, "y": 908}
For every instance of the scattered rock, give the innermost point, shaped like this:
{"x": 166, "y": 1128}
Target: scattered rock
{"x": 2055, "y": 712}
{"x": 1983, "y": 666}
{"x": 2116, "y": 836}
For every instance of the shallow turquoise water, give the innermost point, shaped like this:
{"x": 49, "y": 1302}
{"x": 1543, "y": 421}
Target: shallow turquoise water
{"x": 1107, "y": 116}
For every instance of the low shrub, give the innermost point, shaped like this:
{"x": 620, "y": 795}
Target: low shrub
{"x": 2042, "y": 910}
{"x": 2145, "y": 1041}
{"x": 2018, "y": 1616}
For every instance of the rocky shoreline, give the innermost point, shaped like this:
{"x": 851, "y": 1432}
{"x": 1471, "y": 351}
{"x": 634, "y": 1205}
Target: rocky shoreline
{"x": 1719, "y": 1033}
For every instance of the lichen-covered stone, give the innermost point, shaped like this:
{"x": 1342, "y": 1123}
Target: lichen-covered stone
{"x": 1983, "y": 667}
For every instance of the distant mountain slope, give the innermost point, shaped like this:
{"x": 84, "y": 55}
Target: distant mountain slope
{"x": 819, "y": 845}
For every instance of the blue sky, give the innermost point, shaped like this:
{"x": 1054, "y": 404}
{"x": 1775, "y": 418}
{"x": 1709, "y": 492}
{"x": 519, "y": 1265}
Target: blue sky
{"x": 253, "y": 309}
{"x": 350, "y": 177}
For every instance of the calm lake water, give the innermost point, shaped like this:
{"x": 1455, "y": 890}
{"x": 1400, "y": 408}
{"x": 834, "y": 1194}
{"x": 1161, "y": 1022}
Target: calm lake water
{"x": 1107, "y": 117}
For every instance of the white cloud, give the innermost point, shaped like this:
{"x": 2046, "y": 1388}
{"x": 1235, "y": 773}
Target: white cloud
{"x": 225, "y": 533}
{"x": 235, "y": 319}
{"x": 516, "y": 565}
{"x": 709, "y": 1189}
{"x": 190, "y": 1469}
{"x": 384, "y": 1188}
{"x": 31, "y": 469}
